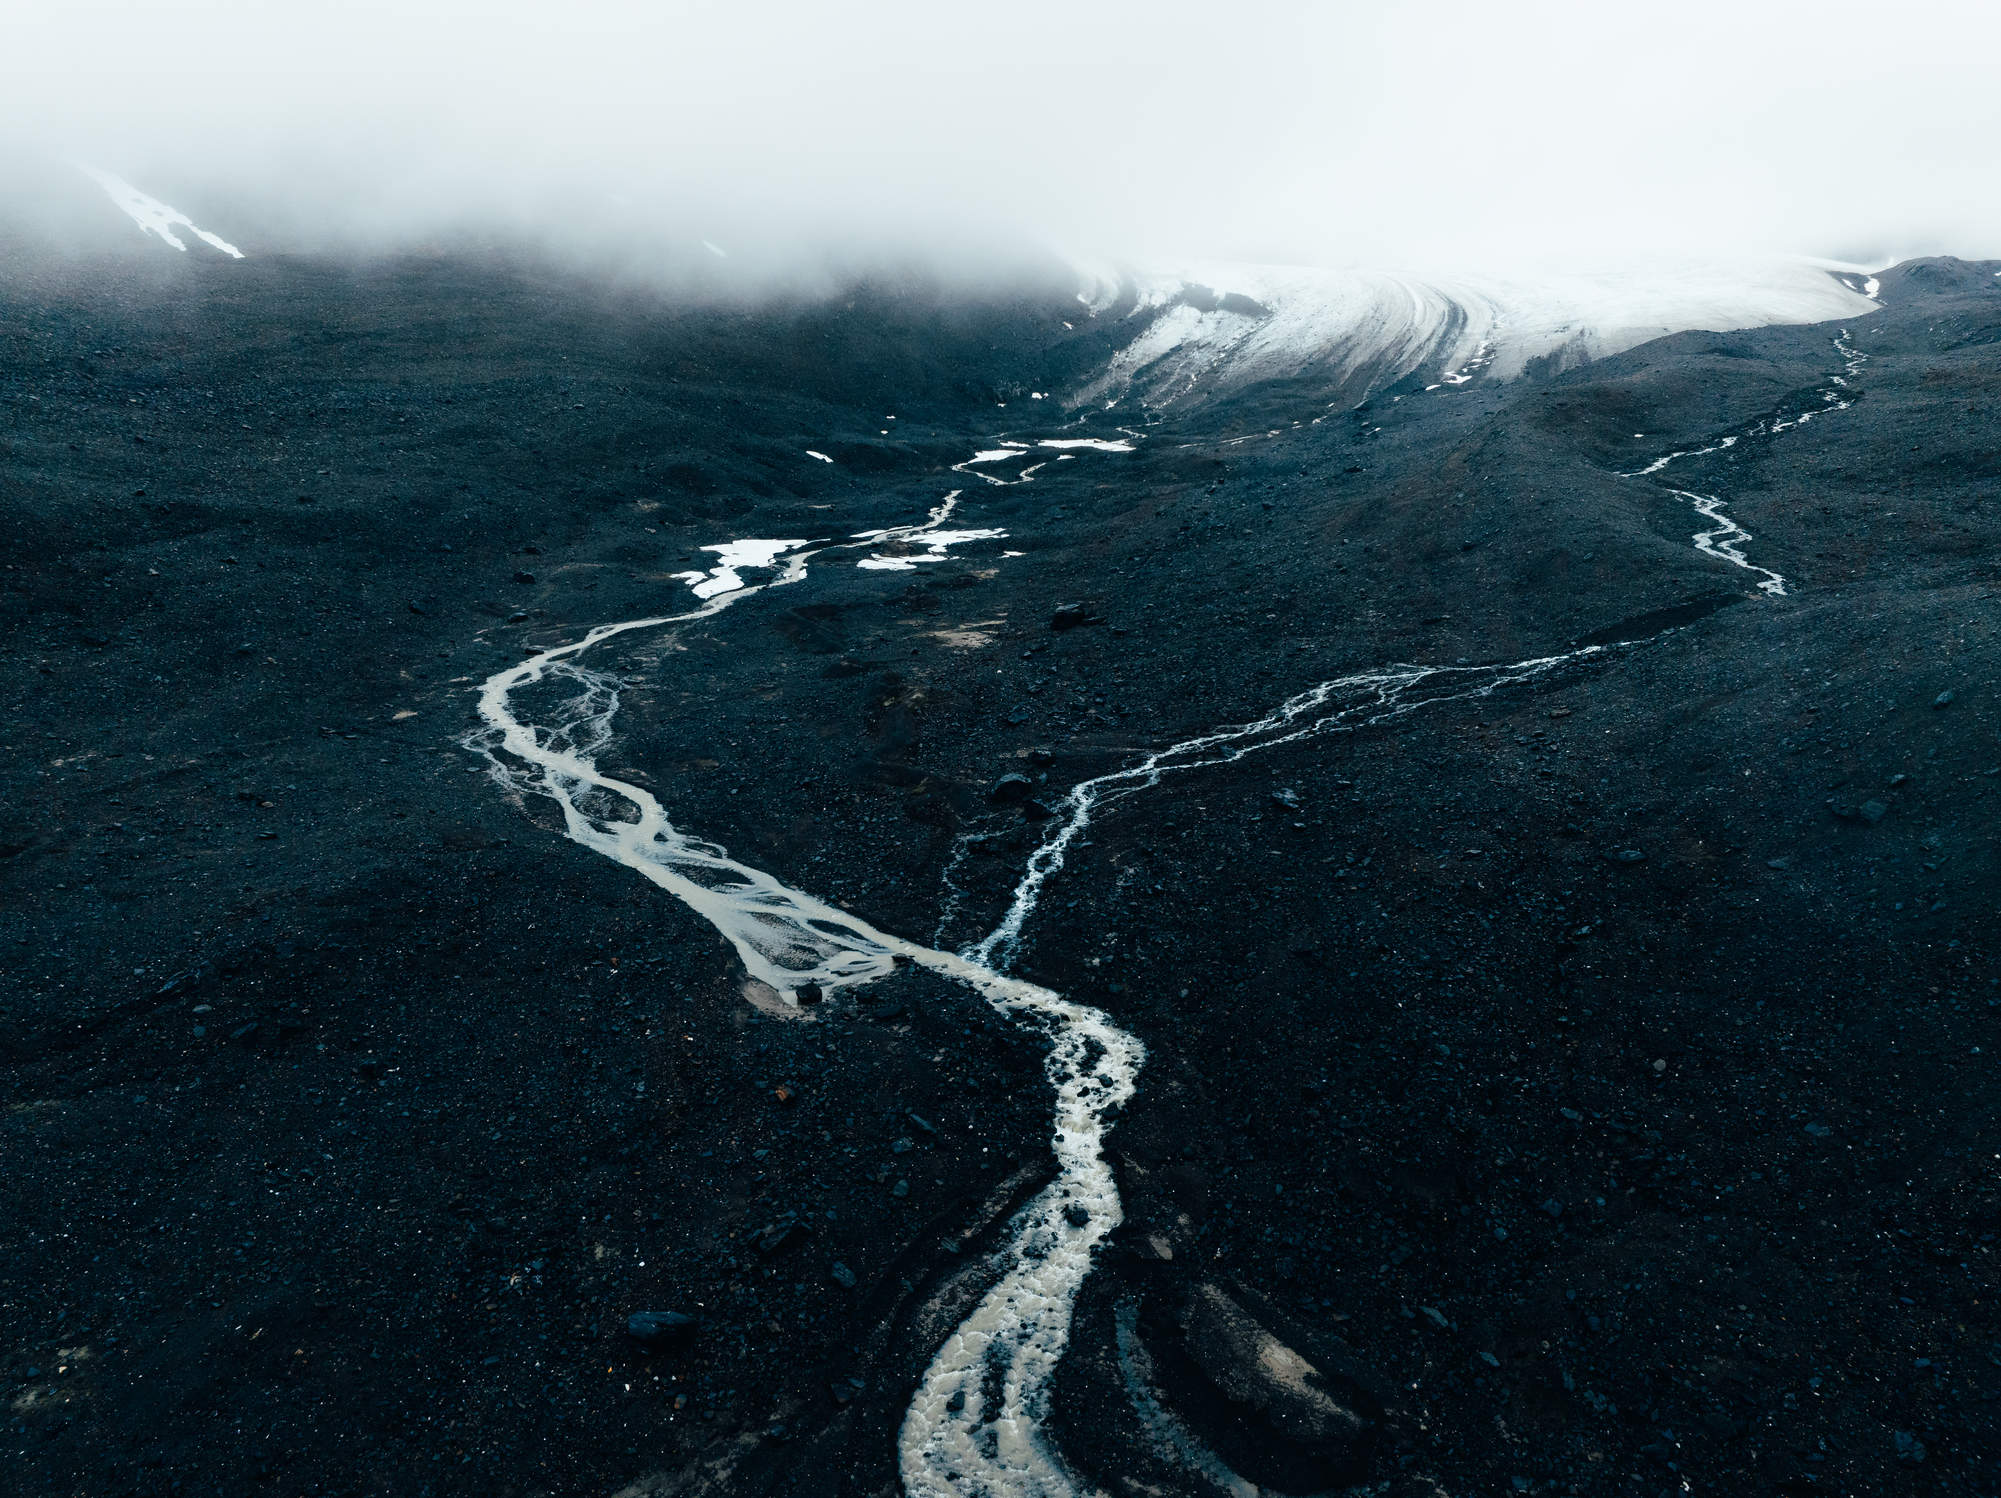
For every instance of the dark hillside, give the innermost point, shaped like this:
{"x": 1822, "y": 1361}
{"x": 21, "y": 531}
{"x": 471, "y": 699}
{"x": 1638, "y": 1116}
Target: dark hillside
{"x": 1590, "y": 1079}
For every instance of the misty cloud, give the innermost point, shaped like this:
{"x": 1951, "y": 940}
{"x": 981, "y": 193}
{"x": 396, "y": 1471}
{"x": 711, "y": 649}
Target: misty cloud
{"x": 1450, "y": 134}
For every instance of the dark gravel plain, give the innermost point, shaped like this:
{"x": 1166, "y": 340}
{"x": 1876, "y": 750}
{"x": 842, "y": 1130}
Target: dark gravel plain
{"x": 1593, "y": 1081}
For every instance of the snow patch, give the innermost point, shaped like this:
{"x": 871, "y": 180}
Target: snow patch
{"x": 725, "y": 577}
{"x": 154, "y": 217}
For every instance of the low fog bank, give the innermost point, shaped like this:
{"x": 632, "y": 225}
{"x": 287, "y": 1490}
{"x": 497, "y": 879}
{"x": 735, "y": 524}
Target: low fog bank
{"x": 1175, "y": 332}
{"x": 790, "y": 137}
{"x": 79, "y": 220}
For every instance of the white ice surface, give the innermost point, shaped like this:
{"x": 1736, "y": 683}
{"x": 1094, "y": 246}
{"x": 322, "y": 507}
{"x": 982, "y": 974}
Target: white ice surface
{"x": 1284, "y": 321}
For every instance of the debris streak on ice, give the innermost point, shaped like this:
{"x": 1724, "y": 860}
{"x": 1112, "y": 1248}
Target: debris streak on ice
{"x": 154, "y": 217}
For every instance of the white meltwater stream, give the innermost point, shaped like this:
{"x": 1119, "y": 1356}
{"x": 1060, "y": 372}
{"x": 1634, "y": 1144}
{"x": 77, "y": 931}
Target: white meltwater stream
{"x": 957, "y": 1437}
{"x": 1726, "y": 539}
{"x": 974, "y": 1425}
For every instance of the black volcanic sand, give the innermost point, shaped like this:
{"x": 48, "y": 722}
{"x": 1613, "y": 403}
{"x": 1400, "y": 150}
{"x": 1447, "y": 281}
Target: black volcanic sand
{"x": 1593, "y": 1080}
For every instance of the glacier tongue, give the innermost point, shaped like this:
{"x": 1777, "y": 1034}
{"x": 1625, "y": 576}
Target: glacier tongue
{"x": 1209, "y": 328}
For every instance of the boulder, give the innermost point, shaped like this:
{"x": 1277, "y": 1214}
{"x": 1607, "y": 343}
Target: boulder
{"x": 1070, "y": 616}
{"x": 1010, "y": 789}
{"x": 1283, "y": 1407}
{"x": 659, "y": 1328}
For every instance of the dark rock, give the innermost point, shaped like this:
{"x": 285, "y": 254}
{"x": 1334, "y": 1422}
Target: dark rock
{"x": 842, "y": 1275}
{"x": 1301, "y": 1426}
{"x": 524, "y": 577}
{"x": 659, "y": 1328}
{"x": 779, "y": 1236}
{"x": 1945, "y": 698}
{"x": 1010, "y": 789}
{"x": 1076, "y": 1216}
{"x": 1036, "y": 811}
{"x": 808, "y": 993}
{"x": 1626, "y": 855}
{"x": 1070, "y": 616}
{"x": 1042, "y": 759}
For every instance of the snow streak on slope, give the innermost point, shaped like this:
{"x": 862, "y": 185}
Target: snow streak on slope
{"x": 154, "y": 217}
{"x": 1208, "y": 329}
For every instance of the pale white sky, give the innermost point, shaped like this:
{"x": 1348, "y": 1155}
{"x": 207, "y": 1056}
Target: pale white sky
{"x": 1425, "y": 133}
